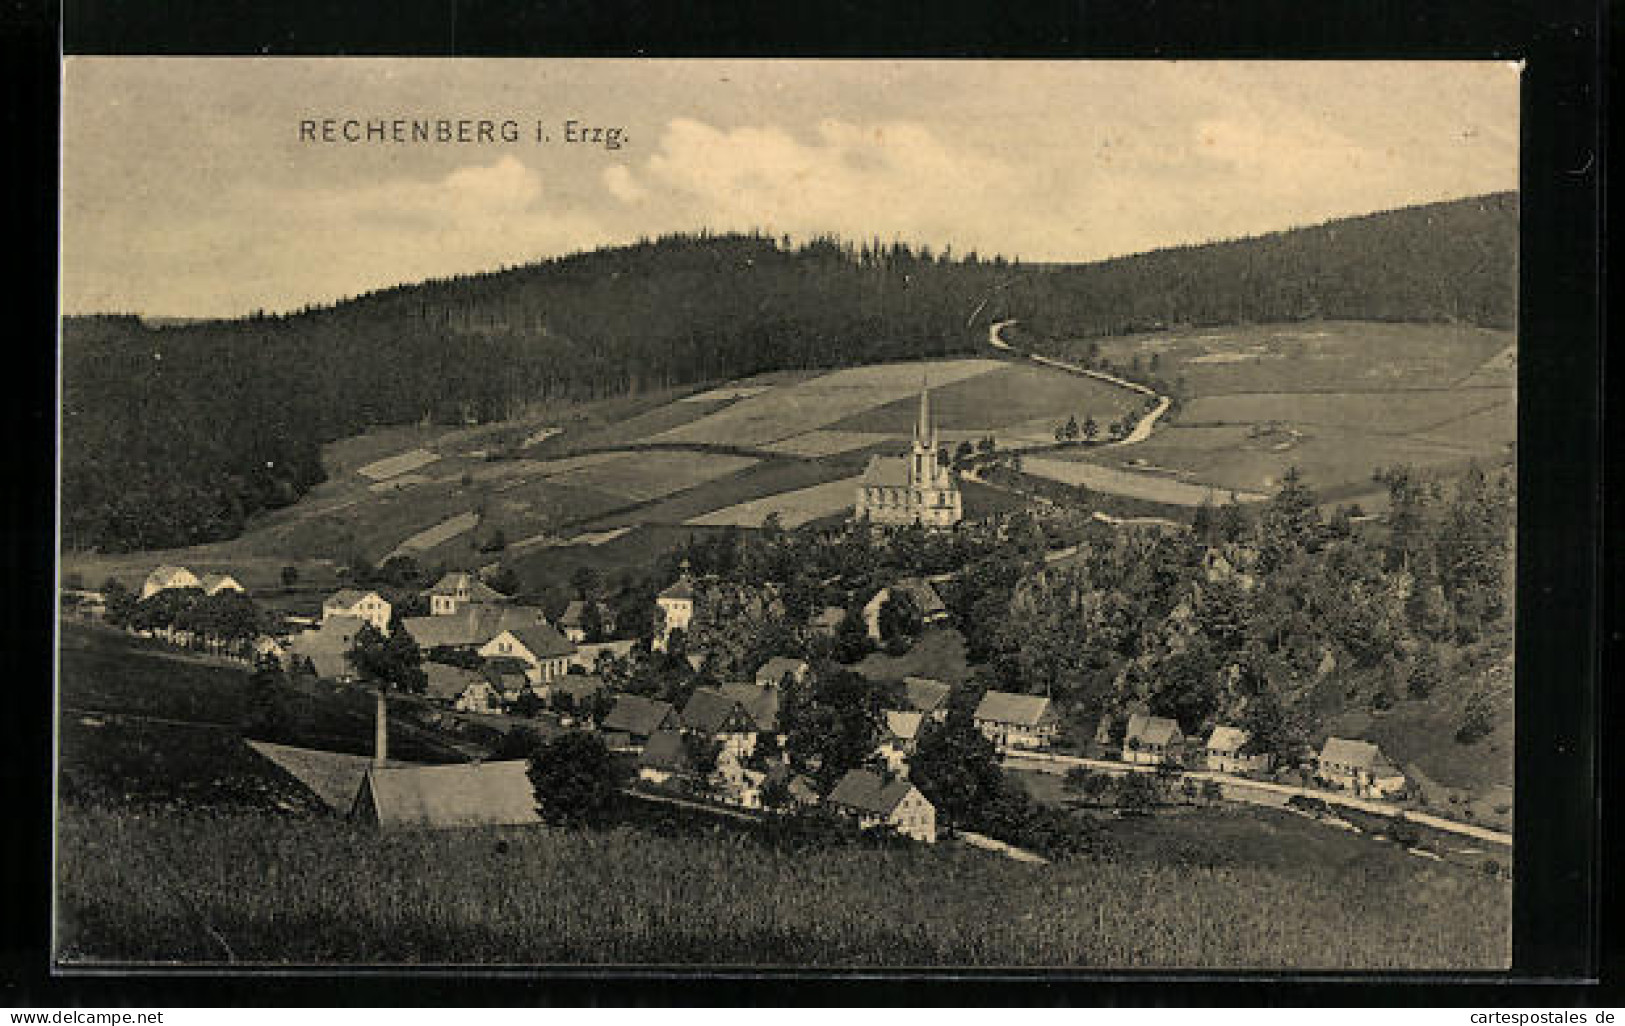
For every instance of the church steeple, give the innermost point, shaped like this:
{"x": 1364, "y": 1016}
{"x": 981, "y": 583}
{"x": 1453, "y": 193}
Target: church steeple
{"x": 922, "y": 430}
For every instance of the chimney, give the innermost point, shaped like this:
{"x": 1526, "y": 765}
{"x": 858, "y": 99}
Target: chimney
{"x": 380, "y": 737}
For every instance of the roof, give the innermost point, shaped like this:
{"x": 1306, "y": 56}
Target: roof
{"x": 587, "y": 652}
{"x": 543, "y": 641}
{"x": 476, "y": 589}
{"x": 1227, "y": 739}
{"x": 211, "y": 582}
{"x": 331, "y": 776}
{"x": 346, "y": 598}
{"x": 459, "y": 795}
{"x": 773, "y": 671}
{"x": 1005, "y": 707}
{"x": 925, "y": 694}
{"x": 709, "y": 710}
{"x": 801, "y": 789}
{"x": 1359, "y": 754}
{"x": 165, "y": 573}
{"x": 864, "y": 790}
{"x": 448, "y": 682}
{"x": 905, "y": 726}
{"x": 577, "y": 685}
{"x": 1151, "y": 730}
{"x": 665, "y": 751}
{"x": 761, "y": 702}
{"x": 575, "y": 613}
{"x": 887, "y": 471}
{"x": 682, "y": 588}
{"x": 473, "y": 625}
{"x": 637, "y": 715}
{"x": 326, "y": 645}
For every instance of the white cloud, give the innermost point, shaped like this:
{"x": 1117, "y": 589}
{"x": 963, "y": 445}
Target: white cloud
{"x": 618, "y": 179}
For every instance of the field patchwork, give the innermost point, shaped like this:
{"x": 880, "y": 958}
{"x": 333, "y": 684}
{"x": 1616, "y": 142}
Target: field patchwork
{"x": 794, "y": 507}
{"x": 391, "y": 466}
{"x": 1135, "y": 485}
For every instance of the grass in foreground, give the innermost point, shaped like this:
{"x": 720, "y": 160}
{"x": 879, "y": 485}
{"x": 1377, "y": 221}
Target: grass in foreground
{"x": 254, "y": 888}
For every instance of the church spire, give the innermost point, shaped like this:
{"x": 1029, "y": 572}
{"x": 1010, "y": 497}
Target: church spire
{"x": 922, "y": 430}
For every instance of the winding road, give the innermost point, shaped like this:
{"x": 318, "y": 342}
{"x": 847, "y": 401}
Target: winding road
{"x": 1142, "y": 430}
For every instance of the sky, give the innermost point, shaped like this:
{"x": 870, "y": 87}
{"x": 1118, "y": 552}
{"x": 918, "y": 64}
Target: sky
{"x": 188, "y": 191}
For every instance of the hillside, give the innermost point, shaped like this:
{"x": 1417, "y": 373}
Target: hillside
{"x": 175, "y": 434}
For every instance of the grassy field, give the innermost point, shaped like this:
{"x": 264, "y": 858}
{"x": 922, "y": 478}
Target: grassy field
{"x": 794, "y": 507}
{"x": 1150, "y": 487}
{"x": 254, "y": 888}
{"x": 765, "y": 479}
{"x": 1002, "y": 398}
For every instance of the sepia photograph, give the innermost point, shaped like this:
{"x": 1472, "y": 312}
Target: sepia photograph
{"x": 787, "y": 514}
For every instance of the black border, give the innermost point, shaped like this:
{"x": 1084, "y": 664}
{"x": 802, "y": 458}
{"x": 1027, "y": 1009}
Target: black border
{"x": 1560, "y": 540}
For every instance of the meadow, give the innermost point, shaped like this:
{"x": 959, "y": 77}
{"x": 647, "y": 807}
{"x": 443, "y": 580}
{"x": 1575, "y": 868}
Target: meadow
{"x": 1135, "y": 485}
{"x": 1014, "y": 394}
{"x": 246, "y": 888}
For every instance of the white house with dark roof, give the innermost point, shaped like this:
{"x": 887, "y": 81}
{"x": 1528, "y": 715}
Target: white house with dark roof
{"x": 1225, "y": 752}
{"x": 1358, "y": 766}
{"x": 874, "y": 801}
{"x": 1016, "y": 721}
{"x": 368, "y": 606}
{"x": 676, "y": 607}
{"x": 544, "y": 651}
{"x": 457, "y": 590}
{"x": 1152, "y": 740}
{"x": 164, "y": 578}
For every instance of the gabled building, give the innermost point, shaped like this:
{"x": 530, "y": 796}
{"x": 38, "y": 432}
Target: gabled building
{"x": 640, "y": 718}
{"x": 165, "y": 578}
{"x": 927, "y": 696}
{"x": 479, "y": 696}
{"x": 214, "y": 584}
{"x": 676, "y": 607}
{"x": 1016, "y": 721}
{"x": 1225, "y": 752}
{"x": 544, "y": 651}
{"x": 455, "y": 591}
{"x": 1152, "y": 740}
{"x": 471, "y": 625}
{"x": 586, "y": 654}
{"x": 872, "y": 801}
{"x": 326, "y": 646}
{"x": 472, "y": 794}
{"x": 664, "y": 758}
{"x": 362, "y": 605}
{"x": 1359, "y": 766}
{"x": 714, "y": 714}
{"x": 918, "y": 488}
{"x": 899, "y": 738}
{"x": 447, "y": 683}
{"x": 760, "y": 701}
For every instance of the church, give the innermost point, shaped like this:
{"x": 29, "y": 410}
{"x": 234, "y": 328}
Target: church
{"x": 917, "y": 488}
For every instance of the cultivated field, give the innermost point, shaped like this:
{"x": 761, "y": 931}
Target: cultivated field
{"x": 794, "y": 508}
{"x": 640, "y": 476}
{"x": 1136, "y": 485}
{"x": 1010, "y": 396}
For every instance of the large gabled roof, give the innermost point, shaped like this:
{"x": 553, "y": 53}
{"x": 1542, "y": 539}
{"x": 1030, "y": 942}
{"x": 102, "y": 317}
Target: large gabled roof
{"x": 665, "y": 751}
{"x": 774, "y": 670}
{"x": 1359, "y": 754}
{"x": 865, "y": 790}
{"x": 761, "y": 702}
{"x": 459, "y": 795}
{"x": 925, "y": 694}
{"x": 1006, "y": 707}
{"x": 474, "y": 624}
{"x": 1227, "y": 739}
{"x": 637, "y": 715}
{"x": 682, "y": 588}
{"x": 346, "y": 598}
{"x": 1151, "y": 730}
{"x": 542, "y": 641}
{"x": 708, "y": 710}
{"x": 903, "y": 725}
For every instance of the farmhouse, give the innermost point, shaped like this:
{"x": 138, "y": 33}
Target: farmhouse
{"x": 471, "y": 626}
{"x": 773, "y": 672}
{"x": 1152, "y": 740}
{"x": 457, "y": 590}
{"x": 1016, "y": 721}
{"x": 676, "y": 608}
{"x": 573, "y": 622}
{"x": 164, "y": 578}
{"x": 932, "y": 610}
{"x": 214, "y": 584}
{"x": 915, "y": 489}
{"x": 640, "y": 718}
{"x": 544, "y": 651}
{"x": 1358, "y": 766}
{"x": 508, "y": 675}
{"x": 363, "y": 605}
{"x": 927, "y": 696}
{"x": 896, "y": 803}
{"x": 438, "y": 797}
{"x": 716, "y": 715}
{"x": 1225, "y": 755}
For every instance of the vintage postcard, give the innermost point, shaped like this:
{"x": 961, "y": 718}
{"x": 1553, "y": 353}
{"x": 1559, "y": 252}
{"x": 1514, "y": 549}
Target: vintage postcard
{"x": 903, "y": 515}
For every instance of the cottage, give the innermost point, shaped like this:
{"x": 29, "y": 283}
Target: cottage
{"x": 470, "y": 625}
{"x": 508, "y": 675}
{"x": 725, "y": 719}
{"x": 1359, "y": 766}
{"x": 927, "y": 696}
{"x": 267, "y": 647}
{"x": 1016, "y": 721}
{"x": 665, "y": 758}
{"x": 773, "y": 672}
{"x": 1225, "y": 752}
{"x": 874, "y": 801}
{"x": 798, "y": 791}
{"x": 164, "y": 578}
{"x": 440, "y": 797}
{"x": 456, "y": 591}
{"x": 1152, "y": 740}
{"x": 930, "y": 604}
{"x": 676, "y": 609}
{"x": 738, "y": 784}
{"x": 545, "y": 652}
{"x": 639, "y": 718}
{"x": 573, "y": 622}
{"x": 363, "y": 605}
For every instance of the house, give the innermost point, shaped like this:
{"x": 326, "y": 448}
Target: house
{"x": 363, "y": 605}
{"x": 470, "y": 794}
{"x": 874, "y": 801}
{"x": 773, "y": 672}
{"x": 508, "y": 675}
{"x": 164, "y": 578}
{"x": 665, "y": 757}
{"x": 716, "y": 715}
{"x": 932, "y": 610}
{"x": 676, "y": 607}
{"x": 761, "y": 702}
{"x": 327, "y": 645}
{"x": 544, "y": 650}
{"x": 738, "y": 784}
{"x": 214, "y": 584}
{"x": 639, "y": 718}
{"x": 827, "y": 621}
{"x": 1359, "y": 766}
{"x": 1016, "y": 721}
{"x": 1225, "y": 755}
{"x": 918, "y": 488}
{"x": 578, "y": 688}
{"x": 573, "y": 622}
{"x": 470, "y": 626}
{"x": 586, "y": 655}
{"x": 899, "y": 738}
{"x": 479, "y": 696}
{"x": 447, "y": 683}
{"x": 457, "y": 590}
{"x": 927, "y": 696}
{"x": 1152, "y": 740}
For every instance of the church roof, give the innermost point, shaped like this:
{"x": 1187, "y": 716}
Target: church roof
{"x": 889, "y": 471}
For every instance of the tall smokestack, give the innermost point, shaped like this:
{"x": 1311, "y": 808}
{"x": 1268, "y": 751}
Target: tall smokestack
{"x": 380, "y": 736}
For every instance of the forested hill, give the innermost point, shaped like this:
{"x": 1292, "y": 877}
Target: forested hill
{"x": 175, "y": 434}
